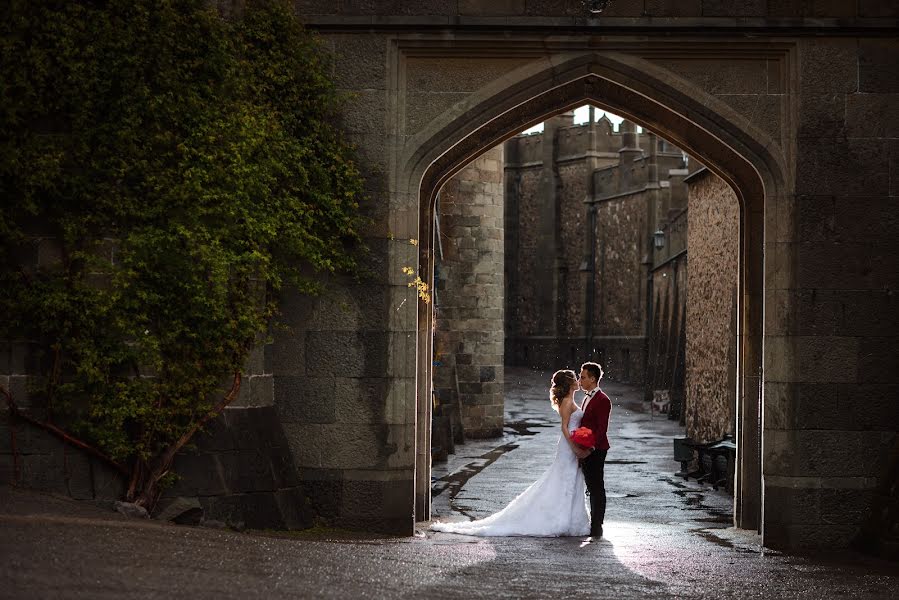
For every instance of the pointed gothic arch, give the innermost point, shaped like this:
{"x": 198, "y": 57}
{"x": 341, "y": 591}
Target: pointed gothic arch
{"x": 644, "y": 93}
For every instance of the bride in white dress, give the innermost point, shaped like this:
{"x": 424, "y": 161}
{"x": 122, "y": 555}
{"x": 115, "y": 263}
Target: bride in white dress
{"x": 554, "y": 505}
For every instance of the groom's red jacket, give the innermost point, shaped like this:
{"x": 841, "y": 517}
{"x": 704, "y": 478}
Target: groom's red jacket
{"x": 596, "y": 417}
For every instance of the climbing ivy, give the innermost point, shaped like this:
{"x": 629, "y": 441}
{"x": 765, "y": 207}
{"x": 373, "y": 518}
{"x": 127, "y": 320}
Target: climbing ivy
{"x": 181, "y": 167}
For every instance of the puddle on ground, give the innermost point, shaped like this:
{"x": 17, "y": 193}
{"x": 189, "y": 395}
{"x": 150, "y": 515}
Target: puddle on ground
{"x": 454, "y": 481}
{"x": 523, "y": 428}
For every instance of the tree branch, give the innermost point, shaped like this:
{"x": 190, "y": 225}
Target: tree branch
{"x": 15, "y": 412}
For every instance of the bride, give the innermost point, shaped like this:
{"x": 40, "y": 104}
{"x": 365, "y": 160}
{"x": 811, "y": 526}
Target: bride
{"x": 554, "y": 505}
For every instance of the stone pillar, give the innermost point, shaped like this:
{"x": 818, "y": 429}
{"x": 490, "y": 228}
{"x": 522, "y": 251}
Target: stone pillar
{"x": 468, "y": 344}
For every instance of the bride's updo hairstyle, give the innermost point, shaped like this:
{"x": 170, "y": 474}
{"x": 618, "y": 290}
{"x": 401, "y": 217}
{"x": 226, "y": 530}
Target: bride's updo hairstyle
{"x": 563, "y": 380}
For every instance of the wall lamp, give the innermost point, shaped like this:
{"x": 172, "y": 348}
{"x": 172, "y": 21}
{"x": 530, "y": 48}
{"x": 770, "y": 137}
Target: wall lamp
{"x": 597, "y": 6}
{"x": 658, "y": 239}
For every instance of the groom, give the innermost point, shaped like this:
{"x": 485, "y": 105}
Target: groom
{"x": 597, "y": 408}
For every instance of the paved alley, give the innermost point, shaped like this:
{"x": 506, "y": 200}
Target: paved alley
{"x": 665, "y": 538}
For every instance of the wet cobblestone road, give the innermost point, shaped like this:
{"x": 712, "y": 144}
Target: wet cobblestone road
{"x": 665, "y": 538}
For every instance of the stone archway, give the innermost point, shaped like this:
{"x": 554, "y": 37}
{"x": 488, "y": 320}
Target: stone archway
{"x": 741, "y": 154}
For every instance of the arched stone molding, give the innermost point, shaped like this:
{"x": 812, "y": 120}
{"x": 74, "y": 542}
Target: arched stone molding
{"x": 704, "y": 126}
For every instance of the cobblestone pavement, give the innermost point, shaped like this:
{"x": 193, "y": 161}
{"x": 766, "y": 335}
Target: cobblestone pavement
{"x": 664, "y": 537}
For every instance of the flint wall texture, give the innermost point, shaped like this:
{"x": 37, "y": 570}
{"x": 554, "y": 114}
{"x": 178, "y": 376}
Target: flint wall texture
{"x": 713, "y": 232}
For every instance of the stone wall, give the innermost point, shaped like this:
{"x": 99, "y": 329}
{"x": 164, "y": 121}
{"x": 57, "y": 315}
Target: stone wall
{"x": 669, "y": 297}
{"x": 714, "y": 226}
{"x": 566, "y": 14}
{"x": 793, "y": 101}
{"x": 605, "y": 190}
{"x": 468, "y": 338}
{"x": 831, "y": 372}
{"x": 240, "y": 473}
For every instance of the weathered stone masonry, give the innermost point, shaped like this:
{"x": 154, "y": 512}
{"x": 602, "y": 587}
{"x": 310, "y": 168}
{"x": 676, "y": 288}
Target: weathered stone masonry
{"x": 791, "y": 103}
{"x": 468, "y": 344}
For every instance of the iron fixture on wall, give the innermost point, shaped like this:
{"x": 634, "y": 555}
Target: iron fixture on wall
{"x": 596, "y": 6}
{"x": 658, "y": 238}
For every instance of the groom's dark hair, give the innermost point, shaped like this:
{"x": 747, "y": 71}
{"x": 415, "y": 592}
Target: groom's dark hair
{"x": 594, "y": 369}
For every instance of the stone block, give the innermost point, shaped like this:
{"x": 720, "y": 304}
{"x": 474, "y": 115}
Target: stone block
{"x": 812, "y": 359}
{"x": 877, "y": 65}
{"x": 108, "y": 484}
{"x": 305, "y": 399}
{"x": 878, "y": 361}
{"x": 216, "y": 436}
{"x": 873, "y": 115}
{"x": 872, "y": 219}
{"x": 248, "y": 471}
{"x": 372, "y": 153}
{"x": 871, "y": 406}
{"x": 198, "y": 475}
{"x": 831, "y": 8}
{"x": 255, "y": 364}
{"x": 355, "y": 446}
{"x": 854, "y": 167}
{"x": 868, "y": 313}
{"x": 455, "y": 75}
{"x": 170, "y": 509}
{"x": 493, "y": 8}
{"x": 667, "y": 8}
{"x": 794, "y": 406}
{"x": 323, "y": 490}
{"x": 399, "y": 404}
{"x": 229, "y": 509}
{"x": 305, "y": 443}
{"x": 826, "y": 453}
{"x": 348, "y": 353}
{"x": 44, "y": 472}
{"x": 877, "y": 8}
{"x": 722, "y": 77}
{"x": 79, "y": 480}
{"x": 401, "y": 357}
{"x": 805, "y": 312}
{"x": 38, "y": 441}
{"x": 288, "y": 353}
{"x": 262, "y": 393}
{"x": 365, "y": 111}
{"x": 424, "y": 107}
{"x": 555, "y": 8}
{"x": 284, "y": 470}
{"x": 822, "y": 115}
{"x": 374, "y": 501}
{"x": 894, "y": 168}
{"x": 813, "y": 518}
{"x": 734, "y": 8}
{"x": 625, "y": 8}
{"x": 9, "y": 473}
{"x": 360, "y": 61}
{"x": 846, "y": 266}
{"x": 828, "y": 66}
{"x": 292, "y": 505}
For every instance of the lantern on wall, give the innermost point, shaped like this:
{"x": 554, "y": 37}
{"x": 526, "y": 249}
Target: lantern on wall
{"x": 597, "y": 6}
{"x": 658, "y": 239}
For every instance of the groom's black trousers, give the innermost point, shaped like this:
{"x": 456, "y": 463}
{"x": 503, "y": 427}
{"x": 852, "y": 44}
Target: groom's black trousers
{"x": 594, "y": 472}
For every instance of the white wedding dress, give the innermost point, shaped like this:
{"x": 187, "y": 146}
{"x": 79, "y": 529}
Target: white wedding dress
{"x": 552, "y": 506}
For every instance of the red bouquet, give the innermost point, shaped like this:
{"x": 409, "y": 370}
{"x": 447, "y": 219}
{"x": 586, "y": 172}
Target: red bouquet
{"x": 583, "y": 436}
